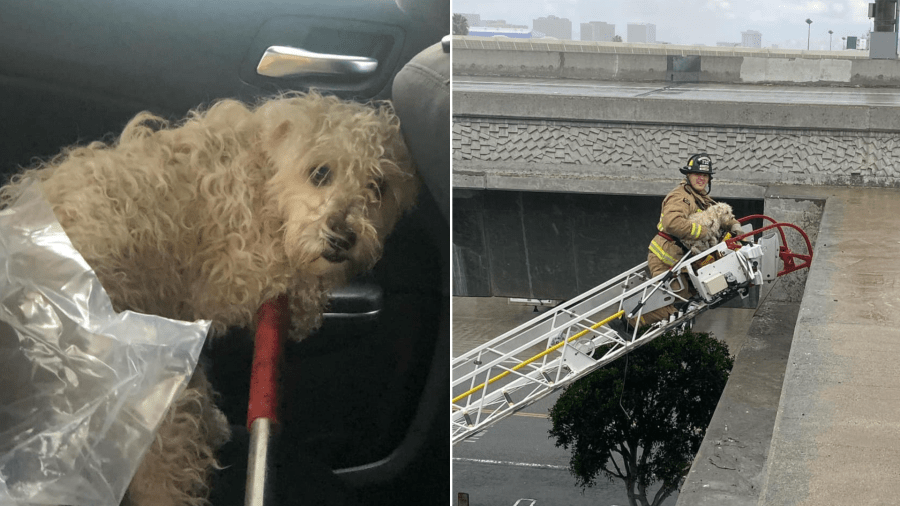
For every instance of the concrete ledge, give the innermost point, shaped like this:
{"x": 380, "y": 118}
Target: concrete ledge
{"x": 591, "y": 183}
{"x": 676, "y": 112}
{"x": 728, "y": 469}
{"x": 568, "y": 141}
{"x": 606, "y": 61}
{"x": 835, "y": 440}
{"x": 575, "y": 46}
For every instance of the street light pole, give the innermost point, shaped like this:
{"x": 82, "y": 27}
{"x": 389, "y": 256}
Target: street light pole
{"x": 829, "y": 39}
{"x": 809, "y": 26}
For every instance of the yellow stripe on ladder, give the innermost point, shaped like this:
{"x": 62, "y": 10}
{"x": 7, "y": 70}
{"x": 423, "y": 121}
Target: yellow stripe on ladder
{"x": 539, "y": 355}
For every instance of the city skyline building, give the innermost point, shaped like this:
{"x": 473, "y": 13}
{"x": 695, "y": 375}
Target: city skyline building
{"x": 500, "y": 23}
{"x": 475, "y": 20}
{"x": 751, "y": 38}
{"x": 472, "y": 19}
{"x": 552, "y": 26}
{"x": 585, "y": 27}
{"x": 598, "y": 31}
{"x": 641, "y": 32}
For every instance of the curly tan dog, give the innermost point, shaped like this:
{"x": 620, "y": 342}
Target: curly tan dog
{"x": 714, "y": 219}
{"x": 208, "y": 218}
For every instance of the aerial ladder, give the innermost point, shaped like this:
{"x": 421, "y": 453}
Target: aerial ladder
{"x": 531, "y": 361}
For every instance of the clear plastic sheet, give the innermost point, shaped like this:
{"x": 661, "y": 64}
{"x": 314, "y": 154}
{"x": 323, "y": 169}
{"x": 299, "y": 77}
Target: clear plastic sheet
{"x": 82, "y": 388}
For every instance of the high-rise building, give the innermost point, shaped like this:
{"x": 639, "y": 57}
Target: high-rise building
{"x": 472, "y": 19}
{"x": 552, "y": 26}
{"x": 641, "y": 32}
{"x": 598, "y": 30}
{"x": 751, "y": 38}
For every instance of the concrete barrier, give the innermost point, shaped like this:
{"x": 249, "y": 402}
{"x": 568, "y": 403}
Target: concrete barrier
{"x": 608, "y": 61}
{"x": 620, "y": 145}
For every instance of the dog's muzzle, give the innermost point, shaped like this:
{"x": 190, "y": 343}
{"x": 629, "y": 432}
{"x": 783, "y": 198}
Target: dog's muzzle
{"x": 339, "y": 241}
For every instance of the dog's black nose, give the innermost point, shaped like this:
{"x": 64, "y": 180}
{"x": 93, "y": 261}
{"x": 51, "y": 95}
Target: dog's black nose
{"x": 345, "y": 241}
{"x": 342, "y": 237}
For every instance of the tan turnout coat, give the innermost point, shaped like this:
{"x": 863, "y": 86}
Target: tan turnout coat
{"x": 680, "y": 203}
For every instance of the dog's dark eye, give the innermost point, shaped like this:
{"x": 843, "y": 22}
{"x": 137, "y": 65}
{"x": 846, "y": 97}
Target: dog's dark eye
{"x": 377, "y": 187}
{"x": 320, "y": 176}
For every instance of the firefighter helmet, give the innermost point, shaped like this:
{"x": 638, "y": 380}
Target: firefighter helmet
{"x": 700, "y": 163}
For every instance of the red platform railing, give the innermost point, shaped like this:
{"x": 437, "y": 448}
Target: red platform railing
{"x": 788, "y": 258}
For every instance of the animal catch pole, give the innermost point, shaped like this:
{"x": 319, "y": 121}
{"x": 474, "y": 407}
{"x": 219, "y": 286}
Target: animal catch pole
{"x": 273, "y": 320}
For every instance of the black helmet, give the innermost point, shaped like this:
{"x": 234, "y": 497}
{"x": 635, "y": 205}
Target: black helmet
{"x": 700, "y": 163}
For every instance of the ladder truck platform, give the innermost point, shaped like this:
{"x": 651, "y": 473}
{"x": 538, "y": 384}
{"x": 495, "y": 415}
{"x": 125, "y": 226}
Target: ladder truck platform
{"x": 553, "y": 350}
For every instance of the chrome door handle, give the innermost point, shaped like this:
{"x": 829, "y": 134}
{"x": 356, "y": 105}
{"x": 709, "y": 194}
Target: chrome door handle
{"x": 284, "y": 61}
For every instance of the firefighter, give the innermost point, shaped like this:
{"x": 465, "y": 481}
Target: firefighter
{"x": 690, "y": 196}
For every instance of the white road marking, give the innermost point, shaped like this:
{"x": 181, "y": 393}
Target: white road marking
{"x": 508, "y": 463}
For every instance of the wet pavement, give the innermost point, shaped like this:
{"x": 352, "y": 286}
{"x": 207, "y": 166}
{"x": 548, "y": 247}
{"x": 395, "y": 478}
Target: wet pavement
{"x": 477, "y": 320}
{"x": 707, "y": 92}
{"x": 836, "y": 438}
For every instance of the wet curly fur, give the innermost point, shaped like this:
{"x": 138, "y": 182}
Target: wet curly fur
{"x": 713, "y": 219}
{"x": 210, "y": 217}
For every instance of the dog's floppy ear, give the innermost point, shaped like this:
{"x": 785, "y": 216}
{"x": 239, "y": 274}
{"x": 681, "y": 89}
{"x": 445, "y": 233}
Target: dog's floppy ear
{"x": 279, "y": 133}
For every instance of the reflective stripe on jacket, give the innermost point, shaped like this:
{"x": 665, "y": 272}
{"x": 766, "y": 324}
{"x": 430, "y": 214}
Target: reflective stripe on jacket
{"x": 680, "y": 203}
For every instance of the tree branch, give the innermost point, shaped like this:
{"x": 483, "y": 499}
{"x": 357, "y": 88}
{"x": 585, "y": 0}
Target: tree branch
{"x": 642, "y": 489}
{"x": 623, "y": 450}
{"x": 626, "y": 456}
{"x": 632, "y": 458}
{"x": 613, "y": 460}
{"x": 644, "y": 455}
{"x": 617, "y": 474}
{"x": 629, "y": 489}
{"x": 661, "y": 495}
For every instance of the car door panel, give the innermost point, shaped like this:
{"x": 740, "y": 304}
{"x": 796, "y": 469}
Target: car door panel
{"x": 380, "y": 42}
{"x": 170, "y": 56}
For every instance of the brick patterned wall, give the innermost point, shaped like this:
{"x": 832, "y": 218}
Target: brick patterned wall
{"x": 740, "y": 154}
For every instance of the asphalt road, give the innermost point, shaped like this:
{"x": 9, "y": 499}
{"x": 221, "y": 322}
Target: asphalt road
{"x": 514, "y": 462}
{"x": 710, "y": 92}
{"x": 517, "y": 462}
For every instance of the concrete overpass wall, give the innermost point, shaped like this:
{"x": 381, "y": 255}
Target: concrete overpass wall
{"x": 580, "y": 143}
{"x": 607, "y": 61}
{"x": 547, "y": 245}
{"x": 634, "y": 147}
{"x": 556, "y": 245}
{"x": 538, "y": 141}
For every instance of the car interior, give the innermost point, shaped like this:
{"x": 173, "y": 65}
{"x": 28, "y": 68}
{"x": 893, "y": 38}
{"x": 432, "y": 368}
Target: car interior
{"x": 361, "y": 412}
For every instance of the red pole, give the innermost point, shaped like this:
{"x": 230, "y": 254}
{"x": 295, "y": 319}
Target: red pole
{"x": 273, "y": 320}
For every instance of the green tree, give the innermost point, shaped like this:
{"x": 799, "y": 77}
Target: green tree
{"x": 460, "y": 25}
{"x": 642, "y": 418}
{"x": 617, "y": 38}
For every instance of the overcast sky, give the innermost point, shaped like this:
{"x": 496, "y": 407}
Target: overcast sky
{"x": 781, "y": 22}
